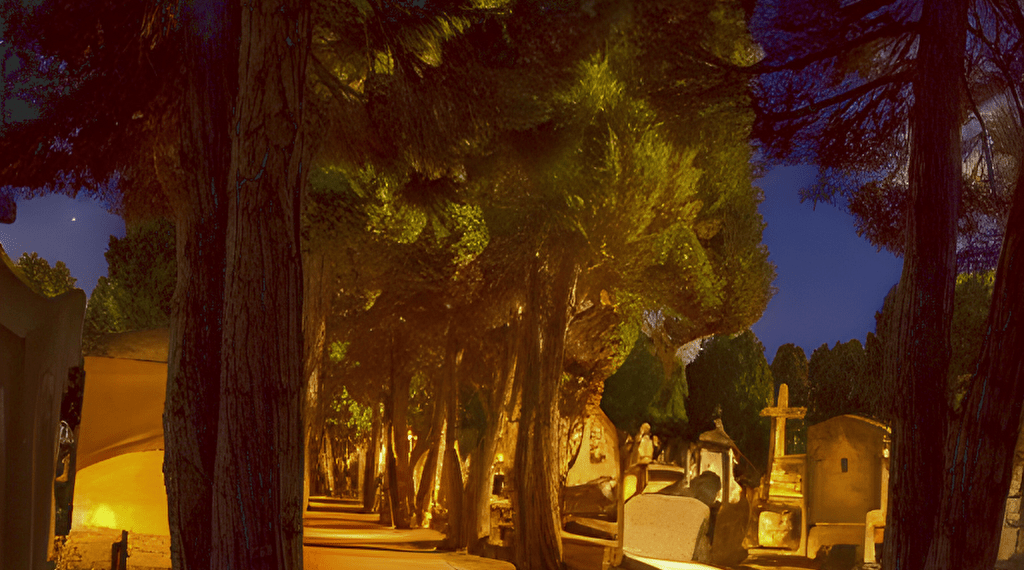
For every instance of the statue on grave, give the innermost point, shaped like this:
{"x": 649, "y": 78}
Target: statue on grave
{"x": 643, "y": 447}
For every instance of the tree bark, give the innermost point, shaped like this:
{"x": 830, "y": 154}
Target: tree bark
{"x": 476, "y": 512}
{"x": 452, "y": 485}
{"x": 431, "y": 443}
{"x": 191, "y": 406}
{"x": 400, "y": 476}
{"x": 257, "y": 487}
{"x": 314, "y": 330}
{"x": 370, "y": 469}
{"x": 980, "y": 449}
{"x": 537, "y": 517}
{"x": 917, "y": 365}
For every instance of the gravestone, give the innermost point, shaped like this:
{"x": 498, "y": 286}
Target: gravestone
{"x": 666, "y": 527}
{"x": 599, "y": 451}
{"x": 40, "y": 349}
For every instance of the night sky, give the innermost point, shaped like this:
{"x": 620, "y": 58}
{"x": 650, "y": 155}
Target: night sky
{"x": 75, "y": 231}
{"x": 830, "y": 281}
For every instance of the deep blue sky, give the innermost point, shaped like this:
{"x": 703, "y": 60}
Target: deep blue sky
{"x": 830, "y": 281}
{"x": 75, "y": 231}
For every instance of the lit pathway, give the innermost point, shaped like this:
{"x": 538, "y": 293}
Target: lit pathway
{"x": 126, "y": 492}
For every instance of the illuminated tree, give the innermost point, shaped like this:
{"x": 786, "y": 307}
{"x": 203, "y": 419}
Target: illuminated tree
{"x": 46, "y": 280}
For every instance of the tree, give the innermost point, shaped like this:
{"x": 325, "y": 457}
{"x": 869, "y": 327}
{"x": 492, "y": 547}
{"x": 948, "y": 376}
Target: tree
{"x": 46, "y": 280}
{"x": 213, "y": 139}
{"x": 629, "y": 392}
{"x": 839, "y": 382}
{"x": 970, "y": 311}
{"x": 790, "y": 367}
{"x": 730, "y": 379}
{"x": 136, "y": 292}
{"x": 916, "y": 358}
{"x": 630, "y": 211}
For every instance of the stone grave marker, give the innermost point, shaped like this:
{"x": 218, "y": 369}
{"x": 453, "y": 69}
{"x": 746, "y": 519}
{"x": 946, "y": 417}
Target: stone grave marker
{"x": 666, "y": 527}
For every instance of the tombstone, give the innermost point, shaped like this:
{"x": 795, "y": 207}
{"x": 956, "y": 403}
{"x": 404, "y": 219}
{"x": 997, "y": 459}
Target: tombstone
{"x": 705, "y": 487}
{"x": 40, "y": 349}
{"x": 669, "y": 528}
{"x": 779, "y": 414}
{"x": 846, "y": 466}
{"x": 599, "y": 452}
{"x": 781, "y": 512}
{"x": 716, "y": 453}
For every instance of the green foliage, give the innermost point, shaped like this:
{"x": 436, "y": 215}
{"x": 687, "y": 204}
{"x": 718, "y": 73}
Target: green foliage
{"x": 472, "y": 419}
{"x": 667, "y": 410}
{"x": 628, "y": 392}
{"x": 46, "y": 280}
{"x": 351, "y": 420}
{"x": 336, "y": 351}
{"x": 731, "y": 379}
{"x": 560, "y": 145}
{"x": 790, "y": 367}
{"x": 973, "y": 298}
{"x": 141, "y": 274}
{"x": 840, "y": 382}
{"x": 970, "y": 316}
{"x": 421, "y": 402}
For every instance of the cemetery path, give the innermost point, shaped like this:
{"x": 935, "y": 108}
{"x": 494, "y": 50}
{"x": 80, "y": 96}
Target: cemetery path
{"x": 126, "y": 492}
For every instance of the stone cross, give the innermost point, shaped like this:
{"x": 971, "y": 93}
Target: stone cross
{"x": 779, "y": 414}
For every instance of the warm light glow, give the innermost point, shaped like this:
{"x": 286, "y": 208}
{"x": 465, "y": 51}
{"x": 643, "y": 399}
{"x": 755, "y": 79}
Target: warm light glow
{"x": 629, "y": 486}
{"x": 101, "y": 516}
{"x": 500, "y": 458}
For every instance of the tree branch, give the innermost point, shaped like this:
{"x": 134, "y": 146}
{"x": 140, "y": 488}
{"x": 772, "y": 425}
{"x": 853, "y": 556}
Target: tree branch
{"x": 888, "y": 31}
{"x": 334, "y": 84}
{"x": 854, "y": 93}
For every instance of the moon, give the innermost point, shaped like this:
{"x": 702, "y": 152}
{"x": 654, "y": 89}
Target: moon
{"x": 72, "y": 219}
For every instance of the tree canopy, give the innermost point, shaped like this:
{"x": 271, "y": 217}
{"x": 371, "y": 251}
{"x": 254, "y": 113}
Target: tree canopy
{"x": 730, "y": 379}
{"x": 545, "y": 175}
{"x": 136, "y": 292}
{"x": 46, "y": 280}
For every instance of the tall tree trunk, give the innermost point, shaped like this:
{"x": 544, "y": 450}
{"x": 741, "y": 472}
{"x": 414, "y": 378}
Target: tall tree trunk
{"x": 192, "y": 401}
{"x": 314, "y": 331}
{"x": 257, "y": 486}
{"x": 370, "y": 468}
{"x": 537, "y": 516}
{"x": 400, "y": 477}
{"x": 918, "y": 364}
{"x": 980, "y": 448}
{"x": 452, "y": 485}
{"x": 431, "y": 443}
{"x": 476, "y": 512}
